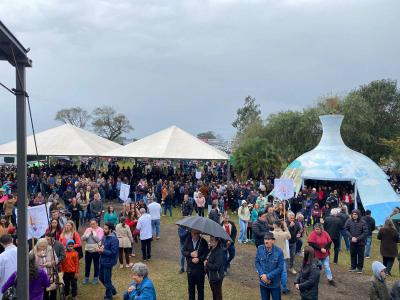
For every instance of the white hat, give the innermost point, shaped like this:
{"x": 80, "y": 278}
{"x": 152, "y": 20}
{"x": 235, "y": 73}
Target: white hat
{"x": 244, "y": 202}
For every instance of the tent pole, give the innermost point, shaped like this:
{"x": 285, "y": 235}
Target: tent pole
{"x": 22, "y": 251}
{"x": 97, "y": 167}
{"x": 355, "y": 196}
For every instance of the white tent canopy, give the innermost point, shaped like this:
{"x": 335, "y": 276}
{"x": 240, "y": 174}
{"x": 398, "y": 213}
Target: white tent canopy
{"x": 63, "y": 140}
{"x": 170, "y": 143}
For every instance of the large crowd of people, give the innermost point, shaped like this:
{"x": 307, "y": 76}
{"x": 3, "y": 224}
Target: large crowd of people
{"x": 321, "y": 219}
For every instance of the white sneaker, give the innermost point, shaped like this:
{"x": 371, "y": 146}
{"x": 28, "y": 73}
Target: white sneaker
{"x": 293, "y": 271}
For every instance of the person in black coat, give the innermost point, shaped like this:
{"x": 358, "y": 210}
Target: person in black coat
{"x": 214, "y": 265}
{"x": 214, "y": 213}
{"x": 307, "y": 280}
{"x": 260, "y": 228}
{"x": 229, "y": 246}
{"x": 370, "y": 221}
{"x": 357, "y": 231}
{"x": 333, "y": 225}
{"x": 195, "y": 250}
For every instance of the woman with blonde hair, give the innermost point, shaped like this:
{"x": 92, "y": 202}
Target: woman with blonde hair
{"x": 47, "y": 259}
{"x": 69, "y": 233}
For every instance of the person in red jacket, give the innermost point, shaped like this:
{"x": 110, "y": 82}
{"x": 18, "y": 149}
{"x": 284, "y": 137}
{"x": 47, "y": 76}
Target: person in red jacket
{"x": 320, "y": 240}
{"x": 70, "y": 267}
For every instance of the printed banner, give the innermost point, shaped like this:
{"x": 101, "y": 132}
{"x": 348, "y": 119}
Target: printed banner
{"x": 283, "y": 189}
{"x": 37, "y": 220}
{"x": 124, "y": 192}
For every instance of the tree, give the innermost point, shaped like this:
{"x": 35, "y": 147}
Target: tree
{"x": 372, "y": 113}
{"x": 246, "y": 115}
{"x": 74, "y": 115}
{"x": 109, "y": 124}
{"x": 210, "y": 135}
{"x": 394, "y": 153}
{"x": 256, "y": 158}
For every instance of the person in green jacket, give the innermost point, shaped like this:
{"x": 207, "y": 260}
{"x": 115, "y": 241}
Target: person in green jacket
{"x": 111, "y": 216}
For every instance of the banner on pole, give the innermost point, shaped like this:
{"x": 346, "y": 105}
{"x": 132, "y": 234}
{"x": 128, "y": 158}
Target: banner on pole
{"x": 124, "y": 192}
{"x": 283, "y": 189}
{"x": 37, "y": 220}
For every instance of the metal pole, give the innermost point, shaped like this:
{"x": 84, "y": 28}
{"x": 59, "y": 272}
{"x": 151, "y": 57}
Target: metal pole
{"x": 22, "y": 264}
{"x": 355, "y": 196}
{"x": 97, "y": 167}
{"x": 228, "y": 172}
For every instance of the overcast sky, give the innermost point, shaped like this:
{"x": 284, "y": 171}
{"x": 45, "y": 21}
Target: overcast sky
{"x": 192, "y": 63}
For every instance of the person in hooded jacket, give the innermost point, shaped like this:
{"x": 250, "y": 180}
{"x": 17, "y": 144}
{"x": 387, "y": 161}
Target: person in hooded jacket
{"x": 307, "y": 280}
{"x": 378, "y": 289}
{"x": 357, "y": 232}
{"x": 214, "y": 266}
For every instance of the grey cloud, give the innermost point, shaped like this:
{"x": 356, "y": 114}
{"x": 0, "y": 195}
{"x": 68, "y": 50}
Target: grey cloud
{"x": 191, "y": 63}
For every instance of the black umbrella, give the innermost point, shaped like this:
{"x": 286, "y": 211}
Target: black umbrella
{"x": 205, "y": 226}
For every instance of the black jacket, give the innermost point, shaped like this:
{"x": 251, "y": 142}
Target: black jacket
{"x": 357, "y": 229}
{"x": 201, "y": 247}
{"x": 233, "y": 231}
{"x": 308, "y": 280}
{"x": 333, "y": 225}
{"x": 294, "y": 230}
{"x": 214, "y": 215}
{"x": 260, "y": 228}
{"x": 187, "y": 208}
{"x": 215, "y": 265}
{"x": 370, "y": 221}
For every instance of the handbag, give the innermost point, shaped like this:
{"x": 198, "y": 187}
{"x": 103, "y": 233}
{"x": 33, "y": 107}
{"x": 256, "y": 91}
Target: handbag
{"x": 11, "y": 292}
{"x": 80, "y": 251}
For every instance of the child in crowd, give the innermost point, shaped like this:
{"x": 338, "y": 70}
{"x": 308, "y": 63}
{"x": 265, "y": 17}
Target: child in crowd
{"x": 70, "y": 267}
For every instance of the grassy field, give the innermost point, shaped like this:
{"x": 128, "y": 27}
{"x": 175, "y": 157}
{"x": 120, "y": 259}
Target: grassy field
{"x": 172, "y": 285}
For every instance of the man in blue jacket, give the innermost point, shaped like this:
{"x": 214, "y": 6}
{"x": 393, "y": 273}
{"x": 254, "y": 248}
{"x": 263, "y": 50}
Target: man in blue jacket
{"x": 108, "y": 259}
{"x": 269, "y": 265}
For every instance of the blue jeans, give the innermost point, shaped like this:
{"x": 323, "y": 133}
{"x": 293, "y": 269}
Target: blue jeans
{"x": 155, "y": 224}
{"x": 325, "y": 263}
{"x": 229, "y": 255}
{"x": 243, "y": 230}
{"x": 168, "y": 206}
{"x": 368, "y": 245}
{"x": 284, "y": 275}
{"x": 267, "y": 293}
{"x": 346, "y": 240}
{"x": 182, "y": 258}
{"x": 105, "y": 278}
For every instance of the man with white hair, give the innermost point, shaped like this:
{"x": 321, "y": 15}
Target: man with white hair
{"x": 333, "y": 225}
{"x": 146, "y": 233}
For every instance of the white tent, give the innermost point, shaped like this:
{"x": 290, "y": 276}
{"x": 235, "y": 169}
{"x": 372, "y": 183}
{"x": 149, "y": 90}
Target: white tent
{"x": 170, "y": 143}
{"x": 63, "y": 140}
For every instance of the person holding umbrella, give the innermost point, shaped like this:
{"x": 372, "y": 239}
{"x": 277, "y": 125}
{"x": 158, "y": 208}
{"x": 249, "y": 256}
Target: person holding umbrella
{"x": 195, "y": 250}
